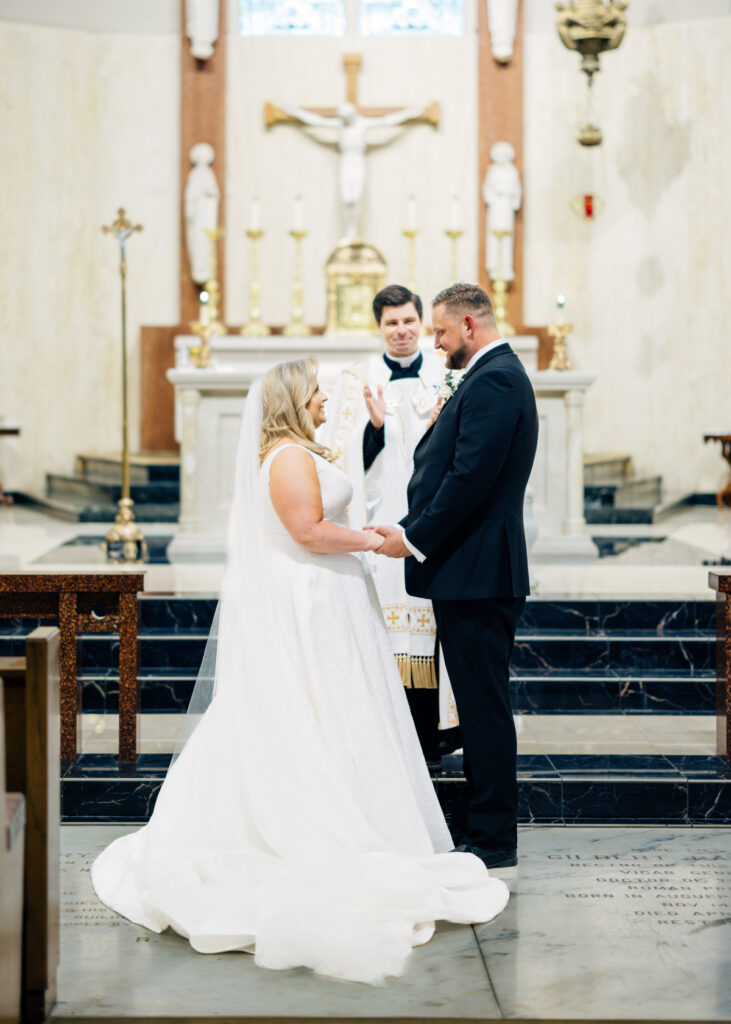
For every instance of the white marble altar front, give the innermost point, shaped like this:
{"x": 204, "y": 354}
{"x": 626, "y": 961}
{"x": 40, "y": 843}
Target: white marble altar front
{"x": 208, "y": 405}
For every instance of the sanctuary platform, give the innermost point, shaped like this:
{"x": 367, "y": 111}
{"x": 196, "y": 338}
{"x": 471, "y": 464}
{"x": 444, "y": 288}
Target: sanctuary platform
{"x": 612, "y": 678}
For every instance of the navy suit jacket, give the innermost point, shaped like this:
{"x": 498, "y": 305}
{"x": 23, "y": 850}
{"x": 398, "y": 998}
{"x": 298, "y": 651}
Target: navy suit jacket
{"x": 466, "y": 494}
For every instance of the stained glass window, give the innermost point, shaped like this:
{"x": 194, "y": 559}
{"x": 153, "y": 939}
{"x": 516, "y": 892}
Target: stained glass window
{"x": 292, "y": 17}
{"x": 397, "y": 17}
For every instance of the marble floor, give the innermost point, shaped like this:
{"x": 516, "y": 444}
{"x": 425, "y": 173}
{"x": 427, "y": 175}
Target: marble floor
{"x": 603, "y": 924}
{"x": 537, "y": 734}
{"x": 673, "y": 568}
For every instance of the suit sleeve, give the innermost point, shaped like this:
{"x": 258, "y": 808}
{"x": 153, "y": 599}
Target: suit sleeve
{"x": 488, "y": 418}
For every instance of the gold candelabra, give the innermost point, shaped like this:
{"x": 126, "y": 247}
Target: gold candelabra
{"x": 297, "y": 326}
{"x": 410, "y": 235}
{"x": 208, "y": 323}
{"x": 454, "y": 235}
{"x": 256, "y": 328}
{"x": 500, "y": 289}
{"x": 124, "y": 541}
{"x": 560, "y": 359}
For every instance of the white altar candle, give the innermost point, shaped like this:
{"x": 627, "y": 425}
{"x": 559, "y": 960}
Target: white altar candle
{"x": 411, "y": 214}
{"x": 203, "y": 312}
{"x": 455, "y": 219}
{"x": 298, "y": 214}
{"x": 560, "y": 303}
{"x": 254, "y": 214}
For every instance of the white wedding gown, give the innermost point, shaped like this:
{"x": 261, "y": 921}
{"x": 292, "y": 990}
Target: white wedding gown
{"x": 299, "y": 822}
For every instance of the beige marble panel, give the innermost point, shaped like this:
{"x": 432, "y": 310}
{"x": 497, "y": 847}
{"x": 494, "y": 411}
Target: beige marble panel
{"x": 90, "y": 123}
{"x": 646, "y": 281}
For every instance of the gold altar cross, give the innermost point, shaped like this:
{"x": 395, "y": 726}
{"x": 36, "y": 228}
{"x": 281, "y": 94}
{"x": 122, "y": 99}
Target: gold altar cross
{"x": 352, "y": 64}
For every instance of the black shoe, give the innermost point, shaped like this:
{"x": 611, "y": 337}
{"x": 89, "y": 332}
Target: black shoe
{"x": 491, "y": 858}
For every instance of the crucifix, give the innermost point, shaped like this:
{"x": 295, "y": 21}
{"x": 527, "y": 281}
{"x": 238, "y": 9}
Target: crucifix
{"x": 352, "y": 124}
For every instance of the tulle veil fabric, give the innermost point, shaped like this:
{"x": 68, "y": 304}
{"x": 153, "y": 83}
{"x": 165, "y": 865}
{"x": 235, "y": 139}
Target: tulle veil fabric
{"x": 298, "y": 821}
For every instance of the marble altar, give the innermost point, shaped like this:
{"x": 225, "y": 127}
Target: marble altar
{"x": 208, "y": 404}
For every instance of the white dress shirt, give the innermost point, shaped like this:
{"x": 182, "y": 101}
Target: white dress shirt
{"x": 475, "y": 359}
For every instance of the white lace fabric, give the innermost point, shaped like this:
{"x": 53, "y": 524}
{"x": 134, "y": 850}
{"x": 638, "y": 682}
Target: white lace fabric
{"x": 299, "y": 822}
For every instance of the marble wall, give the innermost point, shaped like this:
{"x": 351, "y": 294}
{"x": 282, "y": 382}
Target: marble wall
{"x": 279, "y": 163}
{"x": 647, "y": 282}
{"x": 89, "y": 122}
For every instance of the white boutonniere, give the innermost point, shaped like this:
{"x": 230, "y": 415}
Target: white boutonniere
{"x": 452, "y": 380}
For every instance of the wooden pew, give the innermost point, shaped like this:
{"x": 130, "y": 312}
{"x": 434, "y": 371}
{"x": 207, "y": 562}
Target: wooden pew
{"x": 32, "y": 759}
{"x": 11, "y": 890}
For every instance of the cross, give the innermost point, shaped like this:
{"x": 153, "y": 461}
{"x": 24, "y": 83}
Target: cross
{"x": 352, "y": 64}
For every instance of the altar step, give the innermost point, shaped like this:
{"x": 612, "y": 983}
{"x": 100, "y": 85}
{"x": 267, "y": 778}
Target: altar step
{"x": 91, "y": 493}
{"x": 578, "y": 657}
{"x": 564, "y": 789}
{"x": 613, "y": 494}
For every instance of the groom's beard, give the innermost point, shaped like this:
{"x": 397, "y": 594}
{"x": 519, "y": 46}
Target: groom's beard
{"x": 458, "y": 359}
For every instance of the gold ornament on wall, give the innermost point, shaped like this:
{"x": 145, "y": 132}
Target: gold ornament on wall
{"x": 591, "y": 27}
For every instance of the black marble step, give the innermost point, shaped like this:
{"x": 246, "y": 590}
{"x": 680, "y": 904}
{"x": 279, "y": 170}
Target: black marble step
{"x": 180, "y": 614}
{"x": 557, "y": 789}
{"x": 143, "y": 469}
{"x": 644, "y": 492}
{"x": 88, "y": 490}
{"x": 559, "y": 692}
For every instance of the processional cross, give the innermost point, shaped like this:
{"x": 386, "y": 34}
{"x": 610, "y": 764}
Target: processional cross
{"x": 352, "y": 124}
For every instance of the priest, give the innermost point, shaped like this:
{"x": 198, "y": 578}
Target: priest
{"x": 378, "y": 411}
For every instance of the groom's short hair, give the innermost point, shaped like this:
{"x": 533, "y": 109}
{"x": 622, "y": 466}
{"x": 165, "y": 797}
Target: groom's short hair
{"x": 461, "y": 298}
{"x": 395, "y": 295}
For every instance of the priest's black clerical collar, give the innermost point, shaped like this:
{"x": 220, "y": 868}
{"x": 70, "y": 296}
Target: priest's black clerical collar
{"x": 399, "y": 372}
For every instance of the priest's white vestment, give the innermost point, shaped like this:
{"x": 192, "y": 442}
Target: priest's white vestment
{"x": 379, "y": 496}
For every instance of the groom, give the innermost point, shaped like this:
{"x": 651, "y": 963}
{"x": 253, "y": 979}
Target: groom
{"x": 464, "y": 546}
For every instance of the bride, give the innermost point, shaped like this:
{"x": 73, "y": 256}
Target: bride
{"x": 299, "y": 822}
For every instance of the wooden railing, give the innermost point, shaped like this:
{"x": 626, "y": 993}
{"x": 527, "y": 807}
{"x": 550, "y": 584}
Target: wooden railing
{"x": 32, "y": 748}
{"x": 83, "y": 603}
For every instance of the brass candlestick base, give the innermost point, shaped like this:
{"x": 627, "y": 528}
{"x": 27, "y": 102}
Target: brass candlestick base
{"x": 256, "y": 328}
{"x": 454, "y": 235}
{"x": 500, "y": 303}
{"x": 125, "y": 542}
{"x": 410, "y": 235}
{"x": 297, "y": 327}
{"x": 205, "y": 329}
{"x": 500, "y": 289}
{"x": 560, "y": 359}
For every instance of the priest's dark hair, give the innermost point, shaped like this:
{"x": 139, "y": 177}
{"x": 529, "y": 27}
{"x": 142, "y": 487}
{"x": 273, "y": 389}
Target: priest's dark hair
{"x": 395, "y": 295}
{"x": 461, "y": 298}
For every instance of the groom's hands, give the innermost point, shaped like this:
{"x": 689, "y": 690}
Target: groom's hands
{"x": 393, "y": 545}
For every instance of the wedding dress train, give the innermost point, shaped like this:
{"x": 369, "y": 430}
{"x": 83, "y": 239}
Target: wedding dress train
{"x": 299, "y": 823}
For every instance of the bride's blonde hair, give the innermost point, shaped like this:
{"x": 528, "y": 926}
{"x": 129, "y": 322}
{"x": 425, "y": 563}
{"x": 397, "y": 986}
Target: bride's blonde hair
{"x": 285, "y": 393}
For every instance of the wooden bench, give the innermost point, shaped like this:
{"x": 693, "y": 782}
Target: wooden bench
{"x": 88, "y": 603}
{"x": 32, "y": 756}
{"x": 720, "y": 581}
{"x": 11, "y": 889}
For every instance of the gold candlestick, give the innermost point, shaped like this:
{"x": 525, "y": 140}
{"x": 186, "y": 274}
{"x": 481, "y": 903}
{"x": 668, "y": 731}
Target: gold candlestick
{"x": 500, "y": 289}
{"x": 453, "y": 234}
{"x": 559, "y": 359}
{"x": 410, "y": 234}
{"x": 255, "y": 328}
{"x": 297, "y": 326}
{"x": 124, "y": 541}
{"x": 208, "y": 323}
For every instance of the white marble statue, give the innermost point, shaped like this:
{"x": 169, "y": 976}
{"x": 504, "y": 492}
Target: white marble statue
{"x": 202, "y": 196}
{"x": 502, "y": 18}
{"x": 352, "y": 140}
{"x": 201, "y": 26}
{"x": 503, "y": 194}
